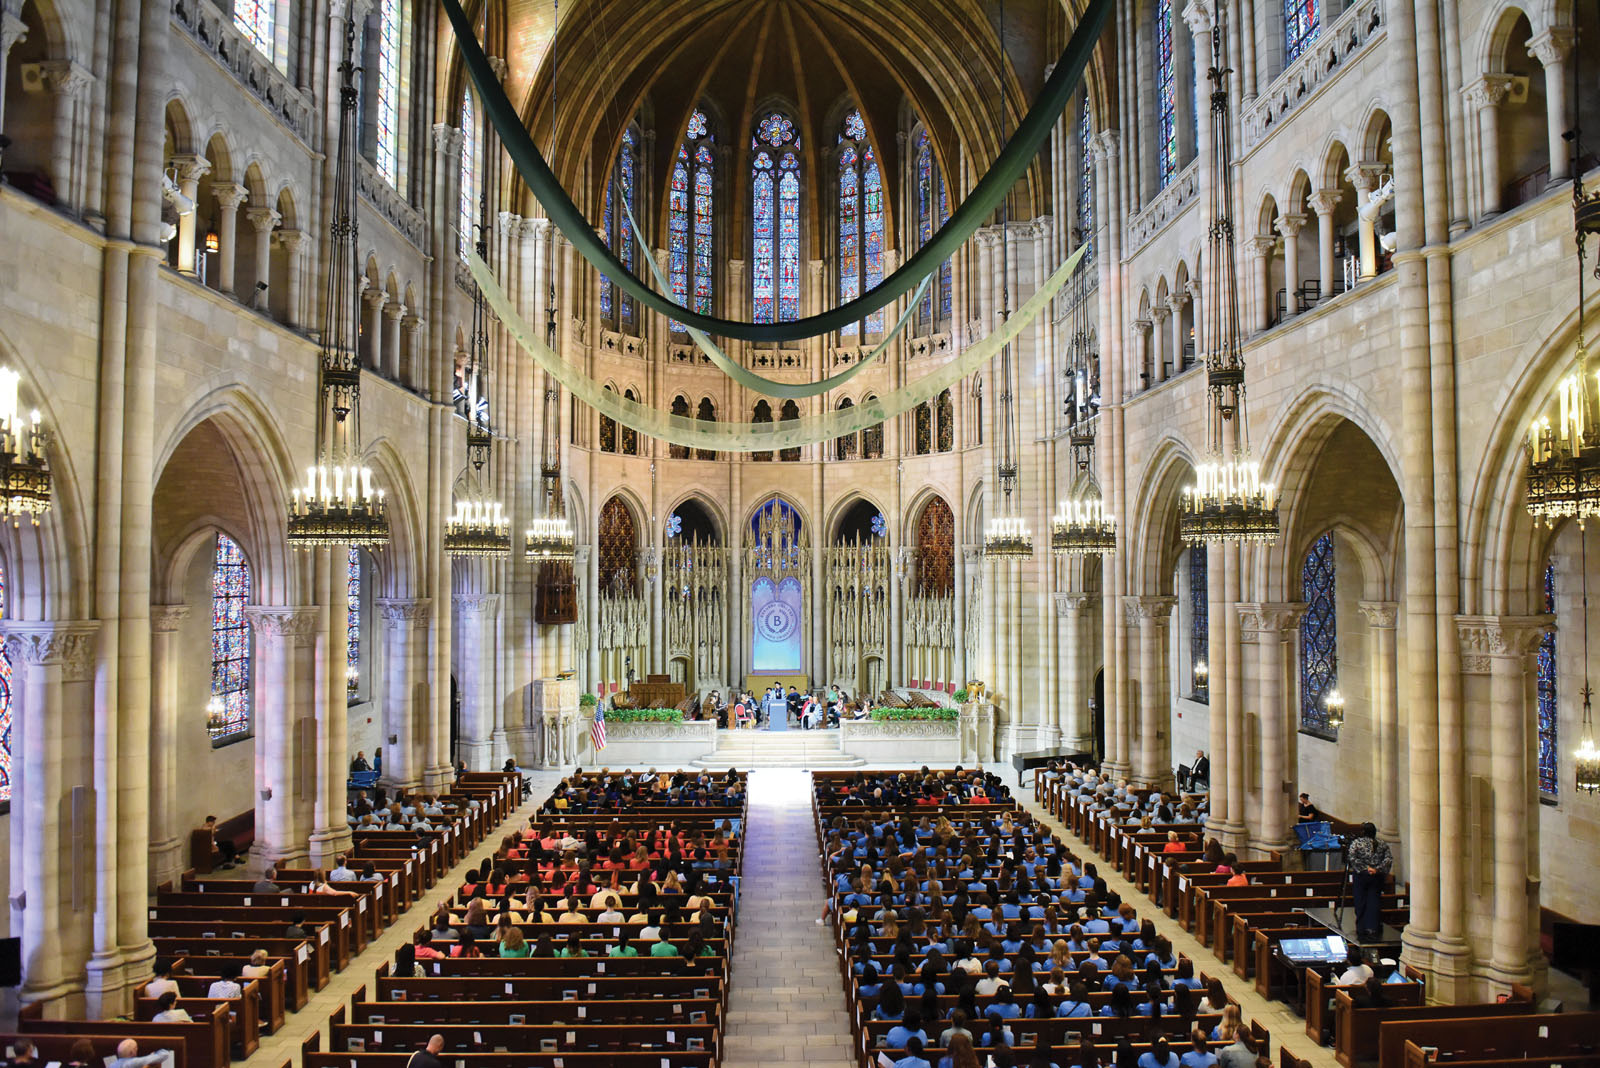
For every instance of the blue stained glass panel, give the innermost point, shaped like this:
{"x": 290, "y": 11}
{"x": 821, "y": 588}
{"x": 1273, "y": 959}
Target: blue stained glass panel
{"x": 849, "y": 232}
{"x": 1548, "y": 711}
{"x": 1086, "y": 182}
{"x": 1166, "y": 97}
{"x": 1199, "y": 621}
{"x": 625, "y": 249}
{"x": 690, "y": 207}
{"x": 5, "y": 707}
{"x": 1319, "y": 646}
{"x": 1302, "y": 22}
{"x": 854, "y": 127}
{"x": 352, "y": 619}
{"x": 933, "y": 209}
{"x": 468, "y": 213}
{"x": 230, "y": 637}
{"x": 789, "y": 239}
{"x": 704, "y": 206}
{"x": 872, "y": 231}
{"x": 678, "y": 230}
{"x": 763, "y": 290}
{"x": 388, "y": 160}
{"x": 775, "y": 222}
{"x": 253, "y": 18}
{"x": 777, "y": 130}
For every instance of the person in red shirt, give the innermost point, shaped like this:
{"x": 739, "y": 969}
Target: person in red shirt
{"x": 425, "y": 950}
{"x": 1173, "y": 844}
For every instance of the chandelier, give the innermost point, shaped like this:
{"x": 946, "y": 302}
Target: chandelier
{"x": 550, "y": 539}
{"x": 338, "y": 505}
{"x": 1228, "y": 501}
{"x": 1082, "y": 525}
{"x": 24, "y": 473}
{"x": 479, "y": 526}
{"x": 216, "y": 718}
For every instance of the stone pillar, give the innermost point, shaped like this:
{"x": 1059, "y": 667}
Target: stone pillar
{"x": 68, "y": 83}
{"x": 1146, "y": 375}
{"x": 393, "y": 312}
{"x": 229, "y": 196}
{"x": 330, "y": 834}
{"x": 1152, "y": 764}
{"x": 289, "y": 241}
{"x": 1485, "y": 97}
{"x": 1174, "y": 309}
{"x": 1365, "y": 181}
{"x": 1323, "y": 202}
{"x": 1264, "y": 247}
{"x": 285, "y": 643}
{"x": 1195, "y": 312}
{"x": 1274, "y": 626}
{"x": 262, "y": 220}
{"x": 1381, "y": 617}
{"x": 12, "y": 31}
{"x": 1158, "y": 340}
{"x": 475, "y": 619}
{"x": 167, "y": 839}
{"x": 411, "y": 374}
{"x": 188, "y": 170}
{"x": 1290, "y": 226}
{"x": 405, "y": 627}
{"x": 1551, "y": 48}
{"x": 53, "y": 857}
{"x": 374, "y": 299}
{"x": 1073, "y": 718}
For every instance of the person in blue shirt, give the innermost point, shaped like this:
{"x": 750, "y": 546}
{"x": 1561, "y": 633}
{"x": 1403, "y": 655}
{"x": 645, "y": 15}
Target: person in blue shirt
{"x": 891, "y": 1003}
{"x": 1004, "y": 1004}
{"x": 1185, "y": 975}
{"x": 868, "y": 986}
{"x": 1094, "y": 958}
{"x": 1199, "y": 1055}
{"x": 904, "y": 1032}
{"x": 913, "y": 1057}
{"x": 1076, "y": 1003}
{"x": 1160, "y": 1055}
{"x": 1163, "y": 954}
{"x": 1121, "y": 1004}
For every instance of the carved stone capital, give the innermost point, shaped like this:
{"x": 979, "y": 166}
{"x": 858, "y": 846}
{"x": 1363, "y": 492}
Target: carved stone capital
{"x": 399, "y": 613}
{"x": 1156, "y": 609}
{"x": 1290, "y": 225}
{"x": 374, "y": 297}
{"x": 1143, "y": 326}
{"x": 1362, "y": 177}
{"x": 295, "y": 624}
{"x": 59, "y": 77}
{"x": 229, "y": 194}
{"x": 441, "y": 136}
{"x": 12, "y": 30}
{"x": 1324, "y": 201}
{"x": 1160, "y": 310}
{"x": 1107, "y": 143}
{"x": 1072, "y": 603}
{"x": 1262, "y": 246}
{"x": 1552, "y": 47}
{"x": 1256, "y": 618}
{"x": 166, "y": 618}
{"x": 263, "y": 219}
{"x": 1380, "y": 615}
{"x": 188, "y": 169}
{"x": 498, "y": 65}
{"x": 394, "y": 310}
{"x": 288, "y": 240}
{"x": 68, "y": 645}
{"x": 1489, "y": 91}
{"x": 1200, "y": 16}
{"x": 1193, "y": 290}
{"x": 484, "y": 603}
{"x": 1485, "y": 638}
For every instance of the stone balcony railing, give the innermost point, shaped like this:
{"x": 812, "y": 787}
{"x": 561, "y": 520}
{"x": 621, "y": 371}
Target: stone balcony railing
{"x": 1167, "y": 206}
{"x": 213, "y": 31}
{"x": 376, "y": 190}
{"x": 1351, "y": 34}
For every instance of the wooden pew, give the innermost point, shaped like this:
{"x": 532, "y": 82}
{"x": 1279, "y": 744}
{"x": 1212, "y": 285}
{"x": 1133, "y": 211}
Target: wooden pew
{"x": 307, "y": 957}
{"x": 206, "y": 1040}
{"x": 278, "y": 992}
{"x": 225, "y": 920}
{"x": 57, "y": 1047}
{"x": 240, "y": 830}
{"x": 569, "y": 1059}
{"x": 483, "y": 990}
{"x": 356, "y": 912}
{"x": 635, "y": 1010}
{"x": 1542, "y": 1036}
{"x": 241, "y": 1014}
{"x": 1356, "y": 1031}
{"x": 1318, "y": 1008}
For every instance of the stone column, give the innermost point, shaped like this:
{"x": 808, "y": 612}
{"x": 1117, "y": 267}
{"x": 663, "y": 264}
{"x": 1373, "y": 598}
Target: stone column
{"x": 1323, "y": 202}
{"x": 1195, "y": 312}
{"x": 393, "y": 312}
{"x": 188, "y": 170}
{"x": 330, "y": 834}
{"x": 1153, "y": 759}
{"x": 229, "y": 196}
{"x": 1365, "y": 181}
{"x": 1381, "y": 617}
{"x": 405, "y": 627}
{"x": 1176, "y": 339}
{"x": 1274, "y": 626}
{"x": 1551, "y": 48}
{"x": 167, "y": 840}
{"x": 411, "y": 373}
{"x": 1141, "y": 345}
{"x": 1158, "y": 338}
{"x": 475, "y": 616}
{"x": 285, "y": 642}
{"x": 289, "y": 241}
{"x": 372, "y": 329}
{"x": 52, "y": 858}
{"x": 67, "y": 82}
{"x": 1485, "y": 97}
{"x": 12, "y": 31}
{"x": 1290, "y": 226}
{"x": 1264, "y": 247}
{"x": 262, "y": 220}
{"x": 1073, "y": 717}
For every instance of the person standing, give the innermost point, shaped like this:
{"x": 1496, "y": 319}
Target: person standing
{"x": 1369, "y": 861}
{"x": 1308, "y": 811}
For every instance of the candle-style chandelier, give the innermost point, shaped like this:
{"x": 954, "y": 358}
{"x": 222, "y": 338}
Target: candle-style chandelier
{"x": 1229, "y": 501}
{"x": 24, "y": 473}
{"x": 338, "y": 504}
{"x": 1082, "y": 525}
{"x": 479, "y": 526}
{"x": 550, "y": 539}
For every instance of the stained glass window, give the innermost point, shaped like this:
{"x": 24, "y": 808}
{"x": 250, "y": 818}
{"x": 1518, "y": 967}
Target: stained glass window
{"x": 1547, "y": 691}
{"x": 253, "y": 18}
{"x": 922, "y": 438}
{"x": 775, "y": 221}
{"x": 706, "y": 413}
{"x": 608, "y": 430}
{"x": 936, "y": 549}
{"x": 680, "y": 408}
{"x": 230, "y": 637}
{"x": 860, "y": 220}
{"x": 618, "y": 542}
{"x": 933, "y": 210}
{"x": 944, "y": 411}
{"x": 790, "y": 410}
{"x": 1166, "y": 97}
{"x": 690, "y": 204}
{"x": 1086, "y": 181}
{"x": 1199, "y": 623}
{"x": 1319, "y": 646}
{"x": 628, "y": 436}
{"x": 762, "y": 414}
{"x": 872, "y": 437}
{"x": 616, "y": 307}
{"x": 5, "y": 708}
{"x": 389, "y": 27}
{"x": 846, "y": 446}
{"x": 468, "y": 214}
{"x": 352, "y": 620}
{"x": 1302, "y": 21}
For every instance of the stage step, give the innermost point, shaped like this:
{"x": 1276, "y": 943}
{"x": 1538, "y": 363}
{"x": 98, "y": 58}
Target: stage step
{"x": 782, "y": 749}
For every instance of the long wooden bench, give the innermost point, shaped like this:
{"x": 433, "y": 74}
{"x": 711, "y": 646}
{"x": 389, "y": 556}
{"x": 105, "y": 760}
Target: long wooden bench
{"x": 1356, "y": 1031}
{"x": 57, "y": 1048}
{"x": 309, "y": 957}
{"x": 565, "y": 1059}
{"x": 278, "y": 994}
{"x": 1542, "y": 1036}
{"x": 243, "y": 1015}
{"x": 1318, "y": 1007}
{"x": 238, "y": 831}
{"x": 206, "y": 1040}
{"x": 555, "y": 1010}
{"x": 342, "y": 938}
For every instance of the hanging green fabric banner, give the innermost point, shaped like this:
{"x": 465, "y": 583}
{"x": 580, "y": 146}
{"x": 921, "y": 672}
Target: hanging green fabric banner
{"x": 1031, "y": 135}
{"x": 763, "y": 437}
{"x": 748, "y": 378}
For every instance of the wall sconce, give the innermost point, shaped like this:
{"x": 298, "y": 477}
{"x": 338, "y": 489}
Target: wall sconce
{"x": 1202, "y": 674}
{"x": 1334, "y": 703}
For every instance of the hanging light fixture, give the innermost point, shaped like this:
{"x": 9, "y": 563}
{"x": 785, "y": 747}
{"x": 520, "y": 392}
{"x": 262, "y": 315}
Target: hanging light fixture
{"x": 1006, "y": 536}
{"x": 1333, "y": 703}
{"x": 216, "y": 718}
{"x": 1081, "y": 524}
{"x": 550, "y": 539}
{"x": 1586, "y": 761}
{"x": 1229, "y": 501}
{"x": 1563, "y": 478}
{"x": 1202, "y": 674}
{"x": 24, "y": 474}
{"x": 338, "y": 504}
{"x": 479, "y": 526}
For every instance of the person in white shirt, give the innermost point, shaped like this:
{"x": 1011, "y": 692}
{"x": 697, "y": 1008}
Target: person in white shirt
{"x": 991, "y": 981}
{"x": 167, "y": 1010}
{"x": 258, "y": 968}
{"x": 1356, "y": 970}
{"x": 226, "y": 987}
{"x": 341, "y": 872}
{"x": 163, "y": 981}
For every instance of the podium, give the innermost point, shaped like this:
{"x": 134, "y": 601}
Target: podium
{"x": 776, "y": 710}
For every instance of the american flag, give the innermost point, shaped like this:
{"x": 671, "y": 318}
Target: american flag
{"x": 597, "y": 729}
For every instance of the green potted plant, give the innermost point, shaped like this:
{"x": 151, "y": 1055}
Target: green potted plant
{"x": 588, "y": 700}
{"x": 961, "y": 696}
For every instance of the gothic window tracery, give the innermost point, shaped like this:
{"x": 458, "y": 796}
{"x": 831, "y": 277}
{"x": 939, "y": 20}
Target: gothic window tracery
{"x": 1199, "y": 622}
{"x": 872, "y": 437}
{"x": 944, "y": 417}
{"x": 1302, "y": 22}
{"x": 1319, "y": 647}
{"x": 390, "y": 26}
{"x": 1166, "y": 96}
{"x": 608, "y": 429}
{"x": 936, "y": 549}
{"x": 470, "y": 194}
{"x": 352, "y": 619}
{"x": 254, "y": 19}
{"x": 230, "y": 638}
{"x": 762, "y": 414}
{"x": 933, "y": 210}
{"x": 617, "y": 545}
{"x": 775, "y": 220}
{"x": 922, "y": 439}
{"x": 1085, "y": 181}
{"x": 846, "y": 446}
{"x": 790, "y": 411}
{"x": 617, "y": 307}
{"x": 1548, "y": 711}
{"x": 628, "y": 438}
{"x": 680, "y": 408}
{"x": 691, "y": 205}
{"x": 860, "y": 221}
{"x": 707, "y": 413}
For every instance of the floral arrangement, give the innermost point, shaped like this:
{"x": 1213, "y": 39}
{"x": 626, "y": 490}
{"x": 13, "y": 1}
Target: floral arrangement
{"x": 588, "y": 700}
{"x": 960, "y": 696}
{"x": 644, "y": 715}
{"x": 902, "y": 714}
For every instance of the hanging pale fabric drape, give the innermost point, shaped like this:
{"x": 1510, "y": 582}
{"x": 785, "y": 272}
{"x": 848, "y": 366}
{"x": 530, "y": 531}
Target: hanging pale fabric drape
{"x": 759, "y": 437}
{"x": 1008, "y": 168}
{"x": 748, "y": 378}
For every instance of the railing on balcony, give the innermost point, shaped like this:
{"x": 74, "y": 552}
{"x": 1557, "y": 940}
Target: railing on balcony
{"x": 1167, "y": 206}
{"x": 213, "y": 31}
{"x": 377, "y": 191}
{"x": 1351, "y": 34}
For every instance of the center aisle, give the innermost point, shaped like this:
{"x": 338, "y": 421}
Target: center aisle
{"x": 786, "y": 1001}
